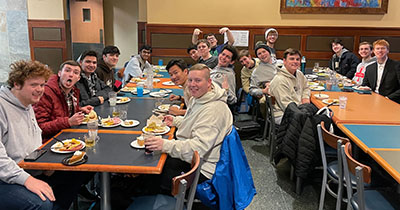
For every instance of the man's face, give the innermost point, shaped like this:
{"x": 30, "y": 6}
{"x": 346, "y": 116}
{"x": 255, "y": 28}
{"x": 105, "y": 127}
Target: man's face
{"x": 145, "y": 54}
{"x": 225, "y": 58}
{"x": 194, "y": 54}
{"x": 212, "y": 40}
{"x": 198, "y": 83}
{"x": 364, "y": 51}
{"x": 246, "y": 61}
{"x": 292, "y": 63}
{"x": 336, "y": 47}
{"x": 69, "y": 75}
{"x": 380, "y": 51}
{"x": 178, "y": 76}
{"x": 111, "y": 59}
{"x": 31, "y": 91}
{"x": 89, "y": 64}
{"x": 203, "y": 49}
{"x": 272, "y": 37}
{"x": 263, "y": 55}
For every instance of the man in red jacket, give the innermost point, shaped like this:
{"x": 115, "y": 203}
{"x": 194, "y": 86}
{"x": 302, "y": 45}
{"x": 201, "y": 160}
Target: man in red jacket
{"x": 59, "y": 106}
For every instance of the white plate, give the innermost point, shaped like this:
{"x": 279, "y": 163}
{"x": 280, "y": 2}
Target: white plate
{"x": 145, "y": 91}
{"x": 328, "y": 101}
{"x": 348, "y": 84}
{"x": 313, "y": 83}
{"x": 128, "y": 89}
{"x": 53, "y": 149}
{"x": 164, "y": 107}
{"x": 136, "y": 80}
{"x": 134, "y": 144}
{"x": 156, "y": 80}
{"x": 169, "y": 83}
{"x": 158, "y": 94}
{"x": 365, "y": 88}
{"x": 321, "y": 96}
{"x": 111, "y": 126}
{"x": 135, "y": 123}
{"x": 122, "y": 102}
{"x": 317, "y": 88}
{"x": 166, "y": 130}
{"x": 322, "y": 74}
{"x": 165, "y": 91}
{"x": 311, "y": 76}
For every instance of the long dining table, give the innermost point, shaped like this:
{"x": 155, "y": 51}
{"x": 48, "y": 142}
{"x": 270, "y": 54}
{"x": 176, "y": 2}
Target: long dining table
{"x": 372, "y": 122}
{"x": 113, "y": 152}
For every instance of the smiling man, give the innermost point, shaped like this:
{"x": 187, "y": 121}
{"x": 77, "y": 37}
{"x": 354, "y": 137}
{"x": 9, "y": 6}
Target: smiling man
{"x": 365, "y": 51}
{"x": 249, "y": 64}
{"x": 59, "y": 107}
{"x": 203, "y": 49}
{"x": 106, "y": 65}
{"x": 224, "y": 75}
{"x": 289, "y": 84}
{"x": 93, "y": 91}
{"x": 271, "y": 35}
{"x": 178, "y": 71}
{"x": 195, "y": 130}
{"x": 138, "y": 64}
{"x": 383, "y": 77}
{"x": 215, "y": 49}
{"x": 343, "y": 61}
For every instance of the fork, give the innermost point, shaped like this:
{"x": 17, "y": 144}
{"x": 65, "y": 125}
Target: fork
{"x": 59, "y": 141}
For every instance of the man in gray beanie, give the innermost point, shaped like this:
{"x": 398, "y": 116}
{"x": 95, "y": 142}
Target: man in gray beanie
{"x": 271, "y": 35}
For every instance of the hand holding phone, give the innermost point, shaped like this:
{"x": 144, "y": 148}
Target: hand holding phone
{"x": 35, "y": 155}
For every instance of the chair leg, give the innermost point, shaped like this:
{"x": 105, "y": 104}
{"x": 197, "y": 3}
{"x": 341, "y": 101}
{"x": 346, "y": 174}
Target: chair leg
{"x": 323, "y": 190}
{"x": 299, "y": 183}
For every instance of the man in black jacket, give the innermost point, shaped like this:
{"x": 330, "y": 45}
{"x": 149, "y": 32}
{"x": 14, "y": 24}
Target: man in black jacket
{"x": 93, "y": 91}
{"x": 383, "y": 77}
{"x": 343, "y": 61}
{"x": 106, "y": 65}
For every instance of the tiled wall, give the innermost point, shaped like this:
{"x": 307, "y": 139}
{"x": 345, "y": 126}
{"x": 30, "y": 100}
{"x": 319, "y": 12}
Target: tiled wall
{"x": 14, "y": 38}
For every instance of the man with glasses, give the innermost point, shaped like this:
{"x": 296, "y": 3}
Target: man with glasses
{"x": 215, "y": 48}
{"x": 138, "y": 64}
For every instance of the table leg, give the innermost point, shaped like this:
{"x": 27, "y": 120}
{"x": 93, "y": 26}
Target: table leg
{"x": 105, "y": 191}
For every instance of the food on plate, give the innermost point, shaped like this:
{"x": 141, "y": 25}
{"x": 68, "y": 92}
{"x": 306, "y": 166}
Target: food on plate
{"x": 154, "y": 128}
{"x": 92, "y": 115}
{"x": 110, "y": 121}
{"x": 123, "y": 99}
{"x": 78, "y": 156}
{"x": 140, "y": 140}
{"x": 128, "y": 122}
{"x": 329, "y": 101}
{"x": 128, "y": 89}
{"x": 135, "y": 80}
{"x": 164, "y": 107}
{"x": 69, "y": 145}
{"x": 317, "y": 88}
{"x": 321, "y": 96}
{"x": 362, "y": 88}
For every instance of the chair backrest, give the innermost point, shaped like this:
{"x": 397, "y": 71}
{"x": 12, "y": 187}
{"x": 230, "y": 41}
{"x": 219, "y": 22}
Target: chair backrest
{"x": 362, "y": 172}
{"x": 270, "y": 125}
{"x": 330, "y": 138}
{"x": 188, "y": 180}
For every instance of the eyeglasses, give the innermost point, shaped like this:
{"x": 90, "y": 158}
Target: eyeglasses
{"x": 146, "y": 52}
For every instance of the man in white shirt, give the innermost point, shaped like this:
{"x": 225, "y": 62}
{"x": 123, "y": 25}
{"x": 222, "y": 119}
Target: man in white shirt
{"x": 365, "y": 51}
{"x": 138, "y": 64}
{"x": 383, "y": 77}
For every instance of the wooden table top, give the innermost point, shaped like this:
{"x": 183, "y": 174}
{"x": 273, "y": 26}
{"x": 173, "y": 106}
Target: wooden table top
{"x": 362, "y": 108}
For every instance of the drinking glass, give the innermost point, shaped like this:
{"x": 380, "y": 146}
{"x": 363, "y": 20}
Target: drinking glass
{"x": 342, "y": 102}
{"x": 112, "y": 98}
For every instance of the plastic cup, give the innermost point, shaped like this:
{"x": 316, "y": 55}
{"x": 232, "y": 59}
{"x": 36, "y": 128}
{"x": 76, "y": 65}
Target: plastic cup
{"x": 112, "y": 98}
{"x": 160, "y": 62}
{"x": 342, "y": 102}
{"x": 91, "y": 136}
{"x": 140, "y": 140}
{"x": 139, "y": 90}
{"x": 329, "y": 85}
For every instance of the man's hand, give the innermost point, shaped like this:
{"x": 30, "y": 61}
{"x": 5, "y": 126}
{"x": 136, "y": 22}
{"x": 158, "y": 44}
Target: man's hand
{"x": 40, "y": 188}
{"x": 154, "y": 143}
{"x": 101, "y": 99}
{"x": 174, "y": 110}
{"x": 223, "y": 30}
{"x": 266, "y": 89}
{"x": 168, "y": 119}
{"x": 174, "y": 97}
{"x": 305, "y": 101}
{"x": 76, "y": 119}
{"x": 197, "y": 32}
{"x": 87, "y": 109}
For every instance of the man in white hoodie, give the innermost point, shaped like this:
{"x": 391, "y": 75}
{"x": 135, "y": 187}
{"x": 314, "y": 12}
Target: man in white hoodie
{"x": 289, "y": 84}
{"x": 203, "y": 128}
{"x": 365, "y": 51}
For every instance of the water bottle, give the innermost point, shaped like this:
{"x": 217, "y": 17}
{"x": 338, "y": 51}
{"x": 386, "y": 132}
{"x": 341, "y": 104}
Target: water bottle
{"x": 303, "y": 64}
{"x": 149, "y": 80}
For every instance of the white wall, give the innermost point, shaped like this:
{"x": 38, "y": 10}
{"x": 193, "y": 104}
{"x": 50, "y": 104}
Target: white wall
{"x": 120, "y": 27}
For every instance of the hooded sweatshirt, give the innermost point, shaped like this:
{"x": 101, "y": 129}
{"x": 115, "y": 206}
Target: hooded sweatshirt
{"x": 360, "y": 72}
{"x": 344, "y": 64}
{"x": 264, "y": 73}
{"x": 203, "y": 128}
{"x": 217, "y": 75}
{"x": 20, "y": 135}
{"x": 287, "y": 88}
{"x": 245, "y": 75}
{"x": 105, "y": 73}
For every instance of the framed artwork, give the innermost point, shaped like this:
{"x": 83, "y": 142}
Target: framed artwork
{"x": 334, "y": 6}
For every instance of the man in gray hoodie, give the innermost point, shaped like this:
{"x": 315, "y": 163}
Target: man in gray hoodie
{"x": 20, "y": 135}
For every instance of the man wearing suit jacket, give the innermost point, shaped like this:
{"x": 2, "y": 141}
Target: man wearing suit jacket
{"x": 383, "y": 77}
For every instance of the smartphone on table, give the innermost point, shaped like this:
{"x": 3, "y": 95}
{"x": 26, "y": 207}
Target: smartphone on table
{"x": 35, "y": 155}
